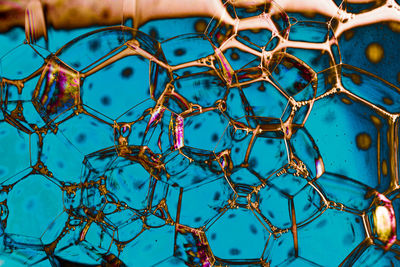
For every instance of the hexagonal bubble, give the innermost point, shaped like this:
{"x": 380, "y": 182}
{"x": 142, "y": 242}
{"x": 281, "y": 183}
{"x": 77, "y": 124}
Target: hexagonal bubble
{"x": 264, "y": 165}
{"x": 129, "y": 182}
{"x": 315, "y": 236}
{"x": 57, "y": 91}
{"x": 14, "y": 144}
{"x": 198, "y": 133}
{"x": 214, "y": 196}
{"x": 101, "y": 93}
{"x": 228, "y": 237}
{"x": 360, "y": 131}
{"x": 112, "y": 177}
{"x": 292, "y": 76}
{"x": 40, "y": 199}
{"x": 49, "y": 149}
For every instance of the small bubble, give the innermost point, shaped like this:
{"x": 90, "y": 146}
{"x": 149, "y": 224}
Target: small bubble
{"x": 127, "y": 72}
{"x": 94, "y": 45}
{"x": 106, "y": 101}
{"x": 179, "y": 52}
{"x": 234, "y": 251}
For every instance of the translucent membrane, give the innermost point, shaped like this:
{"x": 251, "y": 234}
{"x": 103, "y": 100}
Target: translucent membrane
{"x": 215, "y": 133}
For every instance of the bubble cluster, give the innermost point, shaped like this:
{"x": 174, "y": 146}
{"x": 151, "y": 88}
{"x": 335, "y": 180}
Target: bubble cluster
{"x": 247, "y": 138}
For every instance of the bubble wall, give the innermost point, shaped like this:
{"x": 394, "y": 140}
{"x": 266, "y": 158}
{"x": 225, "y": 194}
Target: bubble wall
{"x": 199, "y": 133}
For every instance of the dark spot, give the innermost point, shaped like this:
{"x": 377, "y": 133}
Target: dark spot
{"x": 232, "y": 215}
{"x": 153, "y": 33}
{"x": 253, "y": 229}
{"x": 321, "y": 224}
{"x": 197, "y": 125}
{"x": 196, "y": 179}
{"x": 81, "y": 138}
{"x": 179, "y": 52}
{"x": 94, "y": 45}
{"x": 127, "y": 72}
{"x": 271, "y": 214}
{"x": 214, "y": 137}
{"x": 76, "y": 64}
{"x": 60, "y": 164}
{"x": 234, "y": 251}
{"x": 213, "y": 236}
{"x": 217, "y": 195}
{"x": 253, "y": 162}
{"x": 106, "y": 101}
{"x": 207, "y": 86}
{"x": 197, "y": 219}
